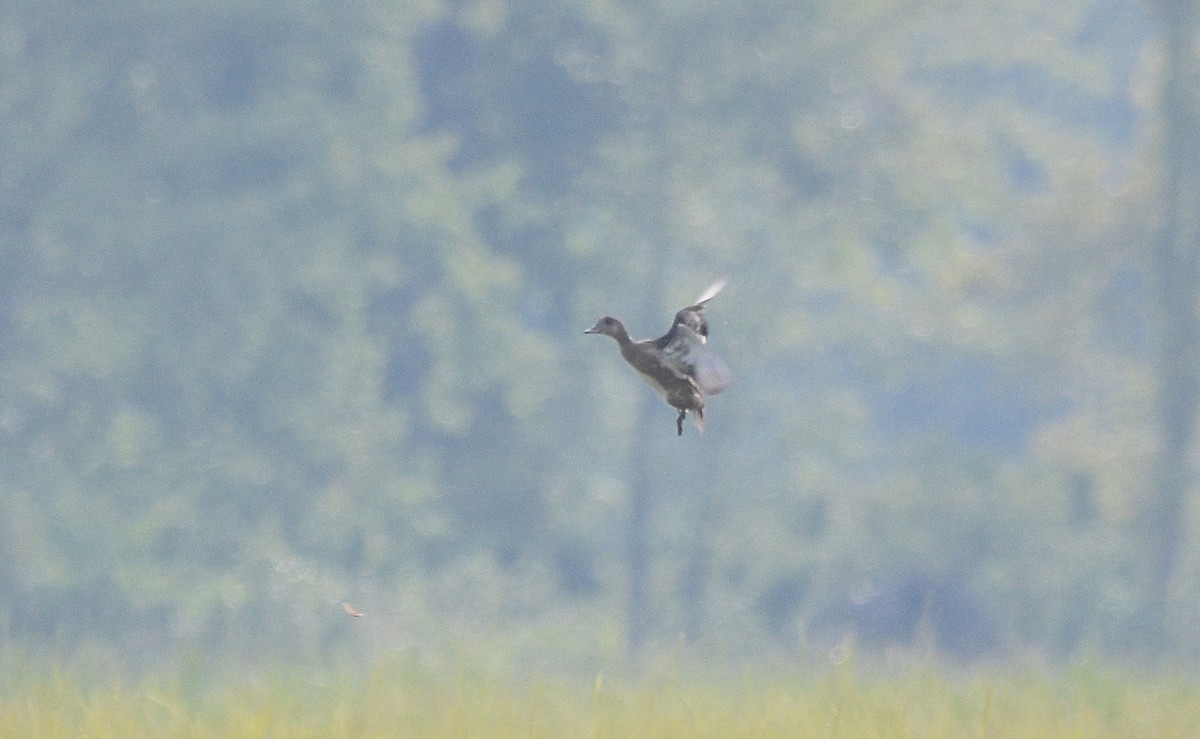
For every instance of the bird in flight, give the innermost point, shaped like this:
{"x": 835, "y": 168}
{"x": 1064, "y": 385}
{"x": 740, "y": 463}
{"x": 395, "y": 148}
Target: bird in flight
{"x": 679, "y": 365}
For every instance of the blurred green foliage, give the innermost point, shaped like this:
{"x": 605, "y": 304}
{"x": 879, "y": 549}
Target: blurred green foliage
{"x": 291, "y": 301}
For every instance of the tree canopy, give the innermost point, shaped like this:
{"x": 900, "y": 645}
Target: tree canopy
{"x": 292, "y": 300}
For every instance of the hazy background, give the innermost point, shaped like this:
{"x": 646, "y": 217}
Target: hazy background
{"x": 292, "y": 299}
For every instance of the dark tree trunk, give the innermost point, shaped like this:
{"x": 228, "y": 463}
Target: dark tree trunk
{"x": 1175, "y": 260}
{"x": 637, "y": 535}
{"x": 645, "y": 463}
{"x": 697, "y": 572}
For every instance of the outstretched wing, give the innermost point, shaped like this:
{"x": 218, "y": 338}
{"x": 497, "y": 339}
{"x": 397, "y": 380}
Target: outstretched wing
{"x": 685, "y": 346}
{"x": 710, "y": 292}
{"x": 688, "y": 353}
{"x": 710, "y": 371}
{"x": 691, "y": 317}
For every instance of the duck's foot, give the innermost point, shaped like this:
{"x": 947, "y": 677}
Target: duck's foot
{"x": 679, "y": 422}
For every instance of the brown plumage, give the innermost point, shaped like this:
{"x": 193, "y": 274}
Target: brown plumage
{"x": 679, "y": 365}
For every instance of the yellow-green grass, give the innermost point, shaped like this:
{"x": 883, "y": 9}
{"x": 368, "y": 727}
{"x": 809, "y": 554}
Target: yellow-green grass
{"x": 405, "y": 701}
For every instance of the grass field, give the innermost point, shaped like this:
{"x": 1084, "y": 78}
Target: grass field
{"x": 406, "y": 701}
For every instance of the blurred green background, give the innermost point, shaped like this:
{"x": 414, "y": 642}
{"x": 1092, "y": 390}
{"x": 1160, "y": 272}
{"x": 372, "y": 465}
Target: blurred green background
{"x": 292, "y": 299}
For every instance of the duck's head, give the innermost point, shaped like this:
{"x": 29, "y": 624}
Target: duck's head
{"x": 609, "y": 326}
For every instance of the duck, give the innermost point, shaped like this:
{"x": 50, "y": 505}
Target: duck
{"x": 680, "y": 365}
